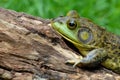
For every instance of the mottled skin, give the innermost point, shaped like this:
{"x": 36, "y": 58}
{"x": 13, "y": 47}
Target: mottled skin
{"x": 96, "y": 45}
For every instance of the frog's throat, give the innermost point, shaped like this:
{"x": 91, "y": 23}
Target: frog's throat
{"x": 76, "y": 43}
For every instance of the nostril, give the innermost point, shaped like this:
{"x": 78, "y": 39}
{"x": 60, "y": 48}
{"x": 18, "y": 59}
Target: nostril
{"x": 57, "y": 20}
{"x": 61, "y": 16}
{"x": 60, "y": 22}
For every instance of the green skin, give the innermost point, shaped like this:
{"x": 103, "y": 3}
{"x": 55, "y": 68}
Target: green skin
{"x": 96, "y": 45}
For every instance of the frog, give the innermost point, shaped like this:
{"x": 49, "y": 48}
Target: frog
{"x": 96, "y": 45}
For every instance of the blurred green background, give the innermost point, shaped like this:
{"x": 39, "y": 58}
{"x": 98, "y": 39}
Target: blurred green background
{"x": 103, "y": 12}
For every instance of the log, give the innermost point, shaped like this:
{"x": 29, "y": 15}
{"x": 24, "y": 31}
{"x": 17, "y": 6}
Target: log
{"x": 31, "y": 50}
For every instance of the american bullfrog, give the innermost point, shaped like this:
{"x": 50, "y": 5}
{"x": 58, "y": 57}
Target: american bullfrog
{"x": 97, "y": 45}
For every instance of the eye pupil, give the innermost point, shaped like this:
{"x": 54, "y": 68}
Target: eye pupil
{"x": 72, "y": 24}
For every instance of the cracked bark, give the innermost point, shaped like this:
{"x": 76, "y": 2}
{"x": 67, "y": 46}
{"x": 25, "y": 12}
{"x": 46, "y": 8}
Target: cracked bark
{"x": 31, "y": 50}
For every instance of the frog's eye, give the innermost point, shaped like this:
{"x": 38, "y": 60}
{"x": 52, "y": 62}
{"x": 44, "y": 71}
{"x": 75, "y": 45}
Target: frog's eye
{"x": 85, "y": 35}
{"x": 71, "y": 24}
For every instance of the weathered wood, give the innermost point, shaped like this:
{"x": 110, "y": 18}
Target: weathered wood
{"x": 31, "y": 50}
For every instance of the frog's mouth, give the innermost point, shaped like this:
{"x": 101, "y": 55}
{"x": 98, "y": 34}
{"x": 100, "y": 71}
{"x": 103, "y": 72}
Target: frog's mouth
{"x": 73, "y": 44}
{"x": 66, "y": 38}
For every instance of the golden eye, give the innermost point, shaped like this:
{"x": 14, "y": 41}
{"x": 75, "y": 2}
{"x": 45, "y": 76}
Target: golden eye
{"x": 71, "y": 24}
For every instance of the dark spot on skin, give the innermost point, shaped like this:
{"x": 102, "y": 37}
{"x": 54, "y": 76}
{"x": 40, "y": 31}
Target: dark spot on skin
{"x": 114, "y": 47}
{"x": 119, "y": 47}
{"x": 115, "y": 52}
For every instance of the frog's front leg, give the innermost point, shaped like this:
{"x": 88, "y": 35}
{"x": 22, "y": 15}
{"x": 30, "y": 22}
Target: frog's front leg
{"x": 92, "y": 59}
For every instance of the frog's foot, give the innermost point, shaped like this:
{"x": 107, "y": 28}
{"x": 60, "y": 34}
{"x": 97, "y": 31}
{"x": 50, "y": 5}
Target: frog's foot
{"x": 93, "y": 58}
{"x": 74, "y": 61}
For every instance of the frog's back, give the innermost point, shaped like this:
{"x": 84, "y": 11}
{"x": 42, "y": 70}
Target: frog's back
{"x": 112, "y": 45}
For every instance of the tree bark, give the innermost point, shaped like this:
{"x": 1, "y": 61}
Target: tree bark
{"x": 31, "y": 50}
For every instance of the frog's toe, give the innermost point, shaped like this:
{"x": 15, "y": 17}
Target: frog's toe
{"x": 77, "y": 63}
{"x": 74, "y": 61}
{"x": 70, "y": 62}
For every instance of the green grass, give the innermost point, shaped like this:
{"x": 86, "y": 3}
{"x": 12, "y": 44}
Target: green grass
{"x": 105, "y": 13}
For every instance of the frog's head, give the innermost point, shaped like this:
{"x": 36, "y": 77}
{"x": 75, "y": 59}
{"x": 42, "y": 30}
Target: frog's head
{"x": 69, "y": 28}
